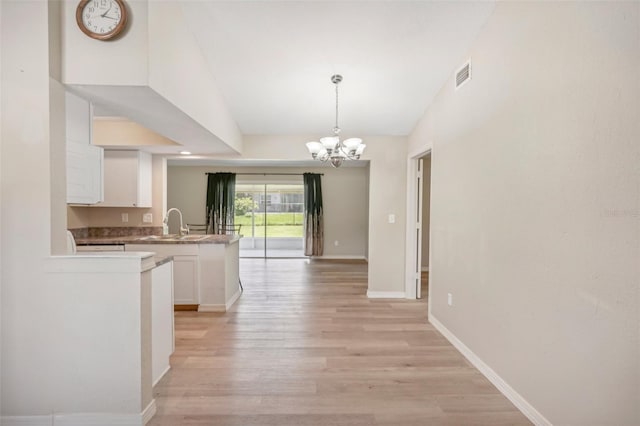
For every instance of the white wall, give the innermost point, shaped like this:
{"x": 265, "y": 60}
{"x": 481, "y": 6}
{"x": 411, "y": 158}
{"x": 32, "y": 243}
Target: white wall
{"x": 179, "y": 73}
{"x": 26, "y": 215}
{"x": 57, "y": 132}
{"x": 115, "y": 132}
{"x": 1, "y": 274}
{"x": 119, "y": 62}
{"x": 344, "y": 193}
{"x": 387, "y": 195}
{"x": 535, "y": 207}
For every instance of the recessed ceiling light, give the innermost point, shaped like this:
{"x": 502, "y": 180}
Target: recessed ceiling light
{"x": 185, "y": 153}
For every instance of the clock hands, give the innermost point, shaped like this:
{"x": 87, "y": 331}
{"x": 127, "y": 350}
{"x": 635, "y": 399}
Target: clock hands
{"x": 108, "y": 10}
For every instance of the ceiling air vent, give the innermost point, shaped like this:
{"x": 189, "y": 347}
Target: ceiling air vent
{"x": 463, "y": 74}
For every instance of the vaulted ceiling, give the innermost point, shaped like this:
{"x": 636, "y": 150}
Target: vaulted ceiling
{"x": 273, "y": 60}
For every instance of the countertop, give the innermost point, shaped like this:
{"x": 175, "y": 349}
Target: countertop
{"x": 123, "y": 254}
{"x": 159, "y": 239}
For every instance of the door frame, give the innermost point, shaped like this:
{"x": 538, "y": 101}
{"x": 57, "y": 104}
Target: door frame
{"x": 412, "y": 238}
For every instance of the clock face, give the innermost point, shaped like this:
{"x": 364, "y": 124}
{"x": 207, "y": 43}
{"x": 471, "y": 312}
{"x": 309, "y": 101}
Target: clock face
{"x": 101, "y": 19}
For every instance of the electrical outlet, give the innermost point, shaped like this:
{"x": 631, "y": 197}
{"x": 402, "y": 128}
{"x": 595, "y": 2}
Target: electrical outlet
{"x": 147, "y": 218}
{"x": 336, "y": 243}
{"x": 392, "y": 218}
{"x": 125, "y": 217}
{"x": 450, "y": 299}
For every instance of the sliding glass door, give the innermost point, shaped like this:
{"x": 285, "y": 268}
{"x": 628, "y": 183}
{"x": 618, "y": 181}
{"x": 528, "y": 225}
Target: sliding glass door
{"x": 272, "y": 217}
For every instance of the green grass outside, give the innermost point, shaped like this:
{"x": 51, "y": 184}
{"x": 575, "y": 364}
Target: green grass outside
{"x": 279, "y": 225}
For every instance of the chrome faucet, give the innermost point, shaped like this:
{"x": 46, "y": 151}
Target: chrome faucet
{"x": 183, "y": 230}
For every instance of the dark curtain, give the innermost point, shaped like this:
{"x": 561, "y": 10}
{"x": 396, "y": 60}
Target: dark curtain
{"x": 313, "y": 215}
{"x": 221, "y": 191}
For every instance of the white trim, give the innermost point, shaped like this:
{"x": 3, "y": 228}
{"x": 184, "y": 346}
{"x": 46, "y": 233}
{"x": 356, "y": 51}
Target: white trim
{"x": 386, "y": 294}
{"x": 218, "y": 307}
{"x": 425, "y": 269}
{"x": 151, "y": 409}
{"x": 166, "y": 370}
{"x": 411, "y": 241}
{"x": 518, "y": 400}
{"x": 83, "y": 419}
{"x": 212, "y": 308}
{"x": 233, "y": 299}
{"x": 25, "y": 420}
{"x": 338, "y": 257}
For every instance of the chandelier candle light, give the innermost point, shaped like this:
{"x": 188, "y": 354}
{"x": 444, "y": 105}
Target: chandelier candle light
{"x": 331, "y": 148}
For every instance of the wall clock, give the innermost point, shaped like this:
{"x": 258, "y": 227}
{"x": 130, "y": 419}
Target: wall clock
{"x": 101, "y": 19}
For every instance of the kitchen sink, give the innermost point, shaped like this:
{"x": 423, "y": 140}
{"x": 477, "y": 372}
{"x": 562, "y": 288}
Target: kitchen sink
{"x": 159, "y": 237}
{"x": 192, "y": 237}
{"x": 173, "y": 237}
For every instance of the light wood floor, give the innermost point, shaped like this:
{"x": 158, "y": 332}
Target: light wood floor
{"x": 305, "y": 347}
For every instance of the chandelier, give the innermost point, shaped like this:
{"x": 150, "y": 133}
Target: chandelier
{"x": 331, "y": 148}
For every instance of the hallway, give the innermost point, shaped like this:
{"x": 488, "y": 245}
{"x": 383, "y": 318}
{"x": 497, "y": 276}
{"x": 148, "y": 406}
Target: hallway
{"x": 304, "y": 346}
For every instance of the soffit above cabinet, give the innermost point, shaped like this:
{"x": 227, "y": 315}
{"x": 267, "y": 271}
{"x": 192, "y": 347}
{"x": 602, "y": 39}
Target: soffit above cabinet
{"x": 121, "y": 133}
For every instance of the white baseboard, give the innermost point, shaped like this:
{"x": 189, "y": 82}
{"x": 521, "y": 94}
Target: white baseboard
{"x": 219, "y": 307}
{"x": 527, "y": 409}
{"x": 386, "y": 294}
{"x": 166, "y": 370}
{"x": 83, "y": 419}
{"x": 150, "y": 411}
{"x": 338, "y": 257}
{"x": 233, "y": 299}
{"x": 26, "y": 420}
{"x": 212, "y": 308}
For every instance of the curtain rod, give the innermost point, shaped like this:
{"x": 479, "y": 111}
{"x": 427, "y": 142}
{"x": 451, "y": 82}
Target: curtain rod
{"x": 269, "y": 174}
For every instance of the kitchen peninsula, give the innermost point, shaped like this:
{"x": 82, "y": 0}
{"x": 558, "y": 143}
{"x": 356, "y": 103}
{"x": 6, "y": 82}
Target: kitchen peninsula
{"x": 205, "y": 267}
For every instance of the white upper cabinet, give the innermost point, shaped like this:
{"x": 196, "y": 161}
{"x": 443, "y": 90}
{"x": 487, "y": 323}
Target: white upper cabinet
{"x": 127, "y": 179}
{"x": 84, "y": 161}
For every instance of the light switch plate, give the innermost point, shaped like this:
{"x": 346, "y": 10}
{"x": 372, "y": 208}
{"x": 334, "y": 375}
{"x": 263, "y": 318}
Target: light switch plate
{"x": 392, "y": 218}
{"x": 147, "y": 218}
{"x": 125, "y": 217}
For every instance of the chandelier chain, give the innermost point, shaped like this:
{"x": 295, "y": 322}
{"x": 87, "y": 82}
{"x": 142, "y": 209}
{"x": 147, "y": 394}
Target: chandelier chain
{"x": 337, "y": 129}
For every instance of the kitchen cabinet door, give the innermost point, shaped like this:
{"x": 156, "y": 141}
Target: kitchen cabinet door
{"x": 127, "y": 179}
{"x": 84, "y": 161}
{"x": 185, "y": 280}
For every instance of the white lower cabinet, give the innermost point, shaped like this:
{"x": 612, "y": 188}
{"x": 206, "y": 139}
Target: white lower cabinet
{"x": 204, "y": 274}
{"x": 185, "y": 272}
